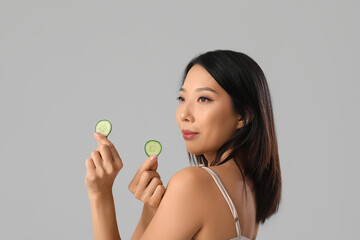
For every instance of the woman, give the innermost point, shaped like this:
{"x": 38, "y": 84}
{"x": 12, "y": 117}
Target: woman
{"x": 225, "y": 116}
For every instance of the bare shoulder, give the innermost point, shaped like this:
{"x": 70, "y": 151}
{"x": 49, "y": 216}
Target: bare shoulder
{"x": 189, "y": 182}
{"x": 189, "y": 175}
{"x": 180, "y": 213}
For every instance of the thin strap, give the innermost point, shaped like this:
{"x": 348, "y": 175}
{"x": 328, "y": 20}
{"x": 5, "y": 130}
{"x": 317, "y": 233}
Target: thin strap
{"x": 227, "y": 198}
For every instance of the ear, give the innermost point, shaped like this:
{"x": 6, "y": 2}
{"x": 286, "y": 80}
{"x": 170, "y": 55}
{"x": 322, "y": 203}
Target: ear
{"x": 240, "y": 123}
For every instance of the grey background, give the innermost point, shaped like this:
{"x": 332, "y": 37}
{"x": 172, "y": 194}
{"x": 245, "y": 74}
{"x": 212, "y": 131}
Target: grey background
{"x": 64, "y": 65}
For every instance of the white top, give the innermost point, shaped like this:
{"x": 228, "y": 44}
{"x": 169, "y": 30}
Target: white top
{"x": 229, "y": 201}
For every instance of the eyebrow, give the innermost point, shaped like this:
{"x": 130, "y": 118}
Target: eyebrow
{"x": 201, "y": 89}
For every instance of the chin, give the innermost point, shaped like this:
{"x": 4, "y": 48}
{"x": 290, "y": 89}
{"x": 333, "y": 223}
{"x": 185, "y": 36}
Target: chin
{"x": 194, "y": 150}
{"x": 195, "y": 153}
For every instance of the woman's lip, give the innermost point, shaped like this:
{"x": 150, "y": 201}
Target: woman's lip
{"x": 188, "y": 134}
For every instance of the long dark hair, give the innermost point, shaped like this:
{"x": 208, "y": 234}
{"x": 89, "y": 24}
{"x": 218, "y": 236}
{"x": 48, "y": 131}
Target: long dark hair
{"x": 254, "y": 146}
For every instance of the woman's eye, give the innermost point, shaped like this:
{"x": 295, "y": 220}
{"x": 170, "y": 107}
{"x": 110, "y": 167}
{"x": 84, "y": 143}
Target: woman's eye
{"x": 204, "y": 99}
{"x": 180, "y": 99}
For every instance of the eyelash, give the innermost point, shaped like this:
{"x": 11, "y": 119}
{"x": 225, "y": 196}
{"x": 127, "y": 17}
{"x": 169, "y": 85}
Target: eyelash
{"x": 204, "y": 98}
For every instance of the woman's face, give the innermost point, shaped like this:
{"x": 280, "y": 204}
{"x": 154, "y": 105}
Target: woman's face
{"x": 205, "y": 115}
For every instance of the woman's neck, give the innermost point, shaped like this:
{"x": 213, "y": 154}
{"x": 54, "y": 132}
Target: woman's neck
{"x": 210, "y": 157}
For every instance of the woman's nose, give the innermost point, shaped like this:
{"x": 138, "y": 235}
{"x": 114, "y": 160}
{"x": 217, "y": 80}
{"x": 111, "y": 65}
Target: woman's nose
{"x": 186, "y": 114}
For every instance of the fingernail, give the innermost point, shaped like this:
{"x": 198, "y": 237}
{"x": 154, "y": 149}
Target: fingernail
{"x": 153, "y": 157}
{"x": 97, "y": 134}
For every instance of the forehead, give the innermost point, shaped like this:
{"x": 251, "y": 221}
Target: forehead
{"x": 199, "y": 77}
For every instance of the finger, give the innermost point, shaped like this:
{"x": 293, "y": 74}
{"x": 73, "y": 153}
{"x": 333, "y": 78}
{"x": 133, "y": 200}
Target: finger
{"x": 150, "y": 189}
{"x": 144, "y": 181}
{"x": 155, "y": 199}
{"x": 158, "y": 193}
{"x": 116, "y": 158}
{"x": 107, "y": 157}
{"x": 90, "y": 165}
{"x": 151, "y": 163}
{"x": 102, "y": 140}
{"x": 95, "y": 155}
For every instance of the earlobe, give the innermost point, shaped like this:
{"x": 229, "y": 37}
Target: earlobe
{"x": 240, "y": 124}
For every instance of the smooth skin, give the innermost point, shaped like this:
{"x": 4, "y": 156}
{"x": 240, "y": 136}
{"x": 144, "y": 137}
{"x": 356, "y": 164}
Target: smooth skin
{"x": 205, "y": 108}
{"x": 185, "y": 210}
{"x": 148, "y": 188}
{"x": 101, "y": 170}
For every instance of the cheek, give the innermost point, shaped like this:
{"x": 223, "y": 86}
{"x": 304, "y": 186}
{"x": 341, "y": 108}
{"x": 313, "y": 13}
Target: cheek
{"x": 177, "y": 116}
{"x": 219, "y": 126}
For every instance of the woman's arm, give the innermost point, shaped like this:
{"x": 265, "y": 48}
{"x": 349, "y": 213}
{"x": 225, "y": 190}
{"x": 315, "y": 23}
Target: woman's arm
{"x": 104, "y": 217}
{"x": 101, "y": 170}
{"x": 181, "y": 211}
{"x": 146, "y": 217}
{"x": 148, "y": 188}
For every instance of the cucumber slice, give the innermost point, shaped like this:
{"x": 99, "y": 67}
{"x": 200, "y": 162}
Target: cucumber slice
{"x": 104, "y": 127}
{"x": 152, "y": 147}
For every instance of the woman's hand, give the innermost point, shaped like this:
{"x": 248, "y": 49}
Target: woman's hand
{"x": 102, "y": 167}
{"x": 147, "y": 185}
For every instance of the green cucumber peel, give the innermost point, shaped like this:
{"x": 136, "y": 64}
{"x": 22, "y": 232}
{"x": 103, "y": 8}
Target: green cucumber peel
{"x": 104, "y": 127}
{"x": 152, "y": 147}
